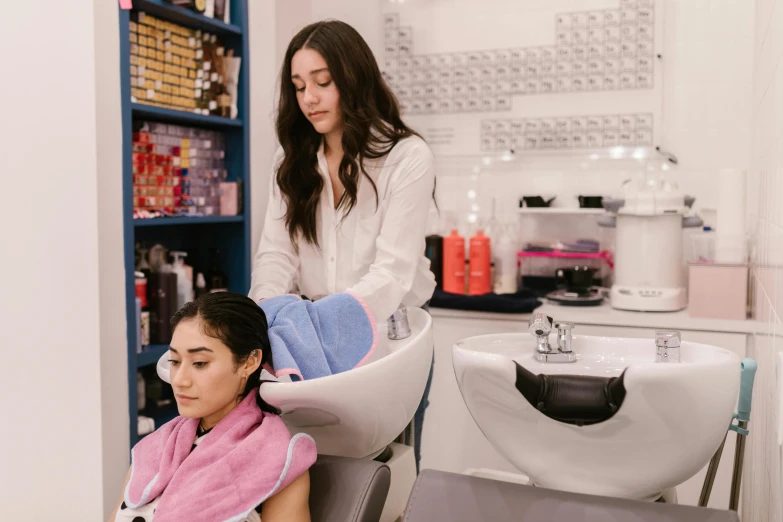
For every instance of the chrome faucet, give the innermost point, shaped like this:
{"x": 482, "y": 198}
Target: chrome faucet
{"x": 541, "y": 325}
{"x": 667, "y": 344}
{"x": 398, "y": 324}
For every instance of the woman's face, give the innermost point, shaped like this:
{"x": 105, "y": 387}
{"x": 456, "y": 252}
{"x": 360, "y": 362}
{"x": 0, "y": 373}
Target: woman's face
{"x": 316, "y": 93}
{"x": 205, "y": 380}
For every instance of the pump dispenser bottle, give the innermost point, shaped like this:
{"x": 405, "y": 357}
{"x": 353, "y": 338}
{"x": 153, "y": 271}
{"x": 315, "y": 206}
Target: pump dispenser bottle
{"x": 184, "y": 284}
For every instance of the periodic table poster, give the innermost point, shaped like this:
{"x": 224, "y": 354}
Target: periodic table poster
{"x": 490, "y": 76}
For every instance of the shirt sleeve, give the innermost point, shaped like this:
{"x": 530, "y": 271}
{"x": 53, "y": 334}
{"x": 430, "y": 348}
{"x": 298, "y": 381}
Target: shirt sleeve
{"x": 401, "y": 242}
{"x": 276, "y": 262}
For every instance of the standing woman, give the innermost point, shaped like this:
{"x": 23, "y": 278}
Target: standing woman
{"x": 351, "y": 187}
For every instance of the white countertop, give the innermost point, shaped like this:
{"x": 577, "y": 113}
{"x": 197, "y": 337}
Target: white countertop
{"x": 605, "y": 315}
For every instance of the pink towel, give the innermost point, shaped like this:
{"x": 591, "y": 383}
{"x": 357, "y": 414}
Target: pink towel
{"x": 248, "y": 457}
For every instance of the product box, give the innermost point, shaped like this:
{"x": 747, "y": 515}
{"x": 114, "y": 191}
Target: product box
{"x": 718, "y": 291}
{"x": 229, "y": 198}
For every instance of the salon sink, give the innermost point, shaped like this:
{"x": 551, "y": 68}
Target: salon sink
{"x": 359, "y": 412}
{"x": 669, "y": 418}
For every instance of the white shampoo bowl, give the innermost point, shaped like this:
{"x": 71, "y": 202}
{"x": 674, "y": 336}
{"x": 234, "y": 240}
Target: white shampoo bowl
{"x": 670, "y": 423}
{"x": 359, "y": 412}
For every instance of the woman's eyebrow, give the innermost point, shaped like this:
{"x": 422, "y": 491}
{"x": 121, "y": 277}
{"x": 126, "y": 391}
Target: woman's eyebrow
{"x": 192, "y": 350}
{"x": 314, "y": 71}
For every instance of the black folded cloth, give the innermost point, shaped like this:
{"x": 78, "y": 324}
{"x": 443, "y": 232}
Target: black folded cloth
{"x": 522, "y": 302}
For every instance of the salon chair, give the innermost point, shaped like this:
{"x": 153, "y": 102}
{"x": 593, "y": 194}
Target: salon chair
{"x": 348, "y": 490}
{"x": 448, "y": 497}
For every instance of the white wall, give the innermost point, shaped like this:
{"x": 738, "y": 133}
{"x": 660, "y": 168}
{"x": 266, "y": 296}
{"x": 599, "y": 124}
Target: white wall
{"x": 762, "y": 480}
{"x": 364, "y": 15}
{"x": 61, "y": 312}
{"x": 111, "y": 263}
{"x": 263, "y": 79}
{"x": 290, "y": 17}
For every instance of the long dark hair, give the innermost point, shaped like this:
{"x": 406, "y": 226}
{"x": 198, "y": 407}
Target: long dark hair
{"x": 371, "y": 123}
{"x": 239, "y": 323}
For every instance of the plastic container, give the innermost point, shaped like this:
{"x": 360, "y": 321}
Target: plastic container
{"x": 504, "y": 253}
{"x": 184, "y": 285}
{"x": 454, "y": 263}
{"x": 703, "y": 246}
{"x": 480, "y": 278}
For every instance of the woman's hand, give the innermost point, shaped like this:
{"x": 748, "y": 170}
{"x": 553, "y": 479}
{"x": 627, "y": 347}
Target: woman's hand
{"x": 292, "y": 504}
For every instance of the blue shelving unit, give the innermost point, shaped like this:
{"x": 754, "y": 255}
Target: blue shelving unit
{"x": 150, "y": 112}
{"x": 169, "y": 221}
{"x": 231, "y": 234}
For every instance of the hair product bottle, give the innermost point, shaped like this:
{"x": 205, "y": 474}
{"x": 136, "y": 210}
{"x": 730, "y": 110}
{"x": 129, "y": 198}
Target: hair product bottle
{"x": 454, "y": 263}
{"x": 479, "y": 281}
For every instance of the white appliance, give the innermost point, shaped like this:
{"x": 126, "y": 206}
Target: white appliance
{"x": 649, "y": 270}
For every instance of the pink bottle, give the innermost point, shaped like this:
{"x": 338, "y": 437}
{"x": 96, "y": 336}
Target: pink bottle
{"x": 454, "y": 263}
{"x": 479, "y": 281}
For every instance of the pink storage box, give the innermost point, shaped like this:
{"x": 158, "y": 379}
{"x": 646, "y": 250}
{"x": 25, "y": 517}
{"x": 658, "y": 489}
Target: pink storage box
{"x": 718, "y": 291}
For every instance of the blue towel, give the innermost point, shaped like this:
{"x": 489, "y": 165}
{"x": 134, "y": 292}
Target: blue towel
{"x": 315, "y": 339}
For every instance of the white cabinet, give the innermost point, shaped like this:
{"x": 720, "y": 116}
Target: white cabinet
{"x": 451, "y": 441}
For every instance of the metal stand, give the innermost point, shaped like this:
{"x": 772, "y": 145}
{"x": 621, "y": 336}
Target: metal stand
{"x": 747, "y": 375}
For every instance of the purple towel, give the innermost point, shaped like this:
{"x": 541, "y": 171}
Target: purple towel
{"x": 246, "y": 458}
{"x": 315, "y": 339}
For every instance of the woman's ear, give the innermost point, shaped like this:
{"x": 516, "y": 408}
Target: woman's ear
{"x": 253, "y": 362}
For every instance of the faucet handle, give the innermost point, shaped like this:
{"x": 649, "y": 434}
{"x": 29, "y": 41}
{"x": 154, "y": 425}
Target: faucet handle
{"x": 667, "y": 339}
{"x": 667, "y": 344}
{"x": 564, "y": 337}
{"x": 563, "y": 326}
{"x": 539, "y": 324}
{"x": 398, "y": 325}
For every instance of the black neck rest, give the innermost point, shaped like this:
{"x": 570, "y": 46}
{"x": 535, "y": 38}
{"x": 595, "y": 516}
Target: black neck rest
{"x": 581, "y": 400}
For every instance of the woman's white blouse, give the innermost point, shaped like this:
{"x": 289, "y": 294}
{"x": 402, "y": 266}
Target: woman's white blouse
{"x": 377, "y": 253}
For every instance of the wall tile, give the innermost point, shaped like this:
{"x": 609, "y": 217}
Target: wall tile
{"x": 761, "y": 494}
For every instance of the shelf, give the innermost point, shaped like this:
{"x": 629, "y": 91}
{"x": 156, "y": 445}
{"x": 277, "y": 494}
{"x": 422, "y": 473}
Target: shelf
{"x": 151, "y": 354}
{"x": 164, "y": 416}
{"x": 231, "y": 234}
{"x": 560, "y": 210}
{"x": 166, "y": 221}
{"x": 184, "y": 16}
{"x": 151, "y": 112}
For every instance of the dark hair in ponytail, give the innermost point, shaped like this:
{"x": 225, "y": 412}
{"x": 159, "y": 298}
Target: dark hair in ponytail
{"x": 239, "y": 323}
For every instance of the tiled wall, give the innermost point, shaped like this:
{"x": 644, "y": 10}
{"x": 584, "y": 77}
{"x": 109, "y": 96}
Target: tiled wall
{"x": 762, "y": 498}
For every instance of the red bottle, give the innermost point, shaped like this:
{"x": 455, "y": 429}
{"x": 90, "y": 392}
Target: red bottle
{"x": 454, "y": 263}
{"x": 480, "y": 281}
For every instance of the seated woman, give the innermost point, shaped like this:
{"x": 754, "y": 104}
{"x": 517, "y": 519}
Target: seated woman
{"x": 228, "y": 454}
